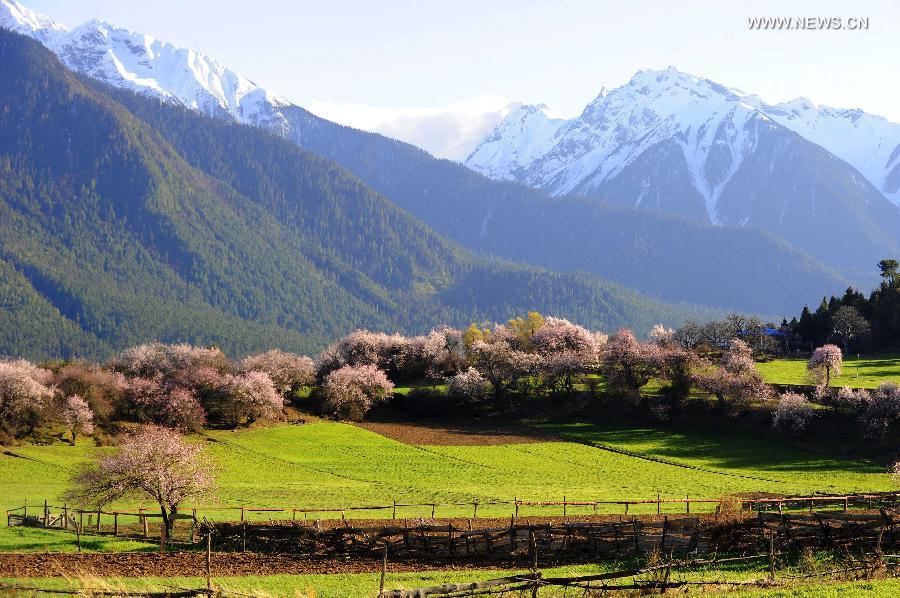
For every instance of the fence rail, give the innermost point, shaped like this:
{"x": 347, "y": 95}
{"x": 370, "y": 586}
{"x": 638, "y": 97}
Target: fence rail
{"x": 626, "y": 536}
{"x": 123, "y": 521}
{"x": 66, "y": 518}
{"x": 655, "y": 578}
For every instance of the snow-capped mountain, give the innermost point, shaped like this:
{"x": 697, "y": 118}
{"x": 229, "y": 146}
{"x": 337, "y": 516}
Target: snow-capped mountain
{"x": 674, "y": 142}
{"x": 666, "y": 140}
{"x": 870, "y": 143}
{"x": 587, "y": 154}
{"x": 705, "y": 118}
{"x": 144, "y": 64}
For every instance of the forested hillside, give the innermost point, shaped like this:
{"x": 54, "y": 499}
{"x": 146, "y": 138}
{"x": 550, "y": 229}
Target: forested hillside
{"x": 113, "y": 232}
{"x": 664, "y": 255}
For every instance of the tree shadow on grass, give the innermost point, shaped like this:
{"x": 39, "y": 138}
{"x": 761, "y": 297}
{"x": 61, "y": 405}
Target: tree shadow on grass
{"x": 731, "y": 450}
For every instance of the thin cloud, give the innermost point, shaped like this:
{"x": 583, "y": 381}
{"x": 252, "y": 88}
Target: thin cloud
{"x": 449, "y": 131}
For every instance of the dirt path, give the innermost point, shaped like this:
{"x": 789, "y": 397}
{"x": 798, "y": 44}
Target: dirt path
{"x": 456, "y": 434}
{"x": 184, "y": 564}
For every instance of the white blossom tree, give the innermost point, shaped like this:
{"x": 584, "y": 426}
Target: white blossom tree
{"x": 153, "y": 463}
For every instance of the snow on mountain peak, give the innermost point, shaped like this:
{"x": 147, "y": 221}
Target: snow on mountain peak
{"x": 143, "y": 64}
{"x": 583, "y": 154}
{"x": 23, "y": 20}
{"x": 713, "y": 125}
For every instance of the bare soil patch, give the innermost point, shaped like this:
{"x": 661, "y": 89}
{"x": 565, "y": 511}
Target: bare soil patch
{"x": 177, "y": 564}
{"x": 457, "y": 434}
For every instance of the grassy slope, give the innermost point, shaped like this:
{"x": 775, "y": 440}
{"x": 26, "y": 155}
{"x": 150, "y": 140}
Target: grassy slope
{"x": 332, "y": 465}
{"x": 872, "y": 370}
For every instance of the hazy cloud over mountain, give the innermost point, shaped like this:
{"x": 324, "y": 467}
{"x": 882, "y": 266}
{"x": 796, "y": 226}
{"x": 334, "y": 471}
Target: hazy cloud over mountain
{"x": 451, "y": 131}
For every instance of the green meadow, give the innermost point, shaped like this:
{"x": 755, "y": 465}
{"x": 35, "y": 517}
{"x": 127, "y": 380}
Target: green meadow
{"x": 333, "y": 465}
{"x": 866, "y": 371}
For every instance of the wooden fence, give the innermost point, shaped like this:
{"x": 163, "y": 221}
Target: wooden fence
{"x": 603, "y": 539}
{"x": 516, "y": 507}
{"x": 654, "y": 578}
{"x": 134, "y": 523}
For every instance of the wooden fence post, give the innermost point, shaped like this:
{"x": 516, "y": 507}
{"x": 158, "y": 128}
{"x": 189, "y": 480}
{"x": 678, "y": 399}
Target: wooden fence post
{"x": 242, "y": 513}
{"x": 115, "y": 523}
{"x": 662, "y": 544}
{"x": 65, "y": 515}
{"x": 383, "y": 572}
{"x": 209, "y": 534}
{"x": 394, "y": 515}
{"x": 564, "y": 507}
{"x": 516, "y": 502}
{"x": 658, "y": 503}
{"x": 475, "y": 509}
{"x": 46, "y": 513}
{"x": 534, "y": 565}
{"x": 25, "y": 513}
{"x": 772, "y": 556}
{"x": 98, "y": 520}
{"x": 637, "y": 546}
{"x": 687, "y": 501}
{"x": 193, "y": 522}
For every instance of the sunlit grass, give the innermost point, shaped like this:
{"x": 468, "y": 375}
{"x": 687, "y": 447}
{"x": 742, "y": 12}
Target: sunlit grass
{"x": 867, "y": 371}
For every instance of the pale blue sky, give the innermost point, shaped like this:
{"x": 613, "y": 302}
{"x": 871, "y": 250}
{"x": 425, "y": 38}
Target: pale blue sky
{"x": 353, "y": 60}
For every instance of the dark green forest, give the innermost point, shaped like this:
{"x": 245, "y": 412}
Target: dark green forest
{"x": 124, "y": 220}
{"x": 663, "y": 255}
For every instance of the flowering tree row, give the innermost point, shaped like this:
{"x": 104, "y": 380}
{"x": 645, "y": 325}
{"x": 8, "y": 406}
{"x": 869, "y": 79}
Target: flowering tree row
{"x": 184, "y": 387}
{"x": 176, "y": 386}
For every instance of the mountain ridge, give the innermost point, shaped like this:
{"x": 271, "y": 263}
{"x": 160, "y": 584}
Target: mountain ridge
{"x": 679, "y": 143}
{"x": 115, "y": 231}
{"x": 482, "y": 215}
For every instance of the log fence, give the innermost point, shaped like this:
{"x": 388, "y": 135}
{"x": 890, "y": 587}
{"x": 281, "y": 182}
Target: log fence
{"x": 134, "y": 522}
{"x": 650, "y": 579}
{"x": 625, "y": 537}
{"x": 91, "y": 521}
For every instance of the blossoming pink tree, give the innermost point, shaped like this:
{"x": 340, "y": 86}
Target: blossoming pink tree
{"x": 77, "y": 416}
{"x": 153, "y": 401}
{"x": 629, "y": 364}
{"x": 738, "y": 358}
{"x": 251, "y": 397}
{"x": 288, "y": 372}
{"x": 881, "y": 411}
{"x": 469, "y": 386}
{"x": 792, "y": 414}
{"x": 661, "y": 335}
{"x": 732, "y": 390}
{"x": 567, "y": 350}
{"x": 102, "y": 389}
{"x": 501, "y": 365}
{"x": 826, "y": 361}
{"x": 155, "y": 359}
{"x": 153, "y": 463}
{"x": 25, "y": 392}
{"x": 349, "y": 392}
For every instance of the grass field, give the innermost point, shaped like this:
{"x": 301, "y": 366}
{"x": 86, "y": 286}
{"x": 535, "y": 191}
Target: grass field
{"x": 338, "y": 465}
{"x": 866, "y": 372}
{"x": 364, "y": 585}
